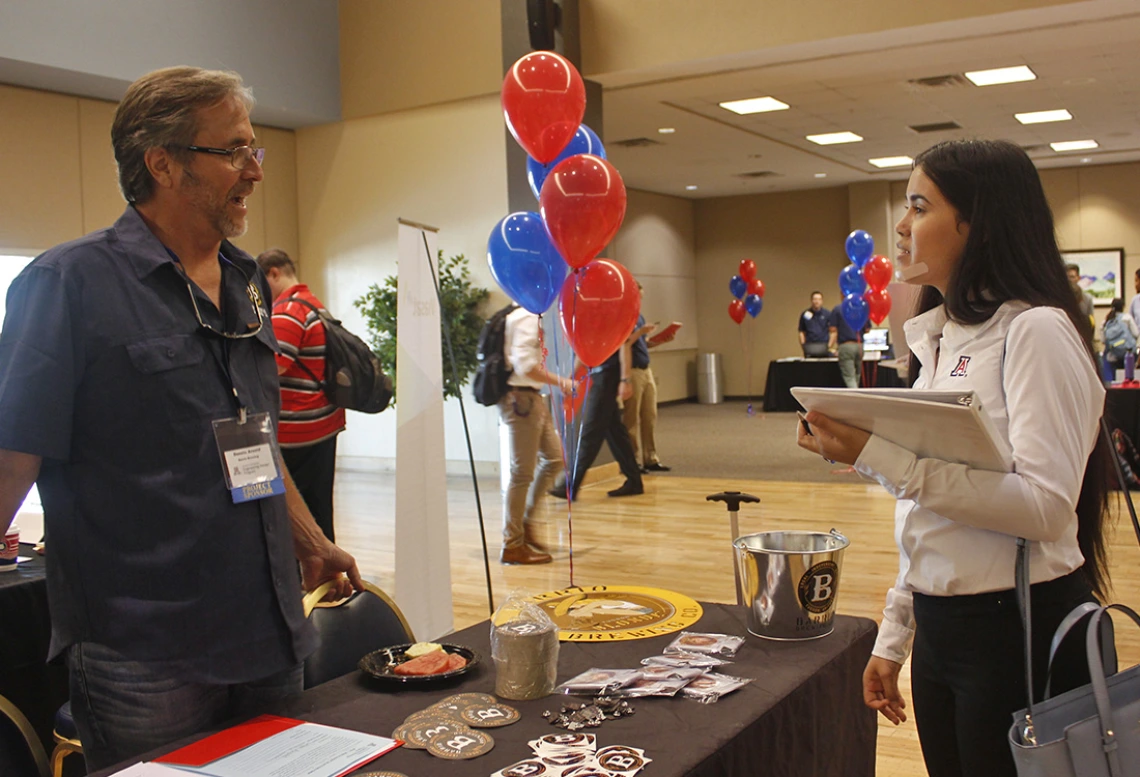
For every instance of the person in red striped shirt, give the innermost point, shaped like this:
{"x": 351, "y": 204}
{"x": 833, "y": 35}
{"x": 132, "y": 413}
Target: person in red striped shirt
{"x": 309, "y": 422}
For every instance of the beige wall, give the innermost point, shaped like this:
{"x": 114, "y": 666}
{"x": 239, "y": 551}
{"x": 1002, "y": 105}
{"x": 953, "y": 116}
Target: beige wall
{"x": 443, "y": 165}
{"x": 796, "y": 240}
{"x": 657, "y": 243}
{"x": 396, "y": 55}
{"x": 620, "y": 35}
{"x": 60, "y": 180}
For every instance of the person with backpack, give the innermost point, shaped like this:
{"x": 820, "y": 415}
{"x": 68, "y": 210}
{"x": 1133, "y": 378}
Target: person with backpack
{"x": 530, "y": 429}
{"x": 309, "y": 420}
{"x": 1119, "y": 335}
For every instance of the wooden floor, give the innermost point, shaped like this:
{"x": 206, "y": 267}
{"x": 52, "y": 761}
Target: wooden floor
{"x": 672, "y": 538}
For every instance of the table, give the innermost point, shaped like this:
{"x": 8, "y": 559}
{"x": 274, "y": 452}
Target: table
{"x": 1122, "y": 411}
{"x": 35, "y": 687}
{"x": 823, "y": 373}
{"x": 803, "y": 713}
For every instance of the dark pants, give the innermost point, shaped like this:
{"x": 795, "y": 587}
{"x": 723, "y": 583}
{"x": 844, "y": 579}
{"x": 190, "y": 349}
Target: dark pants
{"x": 124, "y": 708}
{"x": 313, "y": 468}
{"x": 968, "y": 672}
{"x": 602, "y": 422}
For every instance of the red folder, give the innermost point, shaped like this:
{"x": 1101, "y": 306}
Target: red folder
{"x": 665, "y": 333}
{"x": 229, "y": 741}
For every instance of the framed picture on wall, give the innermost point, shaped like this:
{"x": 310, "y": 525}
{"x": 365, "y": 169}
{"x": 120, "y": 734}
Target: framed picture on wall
{"x": 1102, "y": 273}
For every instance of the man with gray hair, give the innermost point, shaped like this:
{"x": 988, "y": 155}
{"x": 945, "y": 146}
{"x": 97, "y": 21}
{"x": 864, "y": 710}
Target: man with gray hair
{"x": 139, "y": 390}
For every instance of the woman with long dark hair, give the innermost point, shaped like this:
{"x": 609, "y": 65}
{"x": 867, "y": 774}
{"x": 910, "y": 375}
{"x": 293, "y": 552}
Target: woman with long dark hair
{"x": 996, "y": 316}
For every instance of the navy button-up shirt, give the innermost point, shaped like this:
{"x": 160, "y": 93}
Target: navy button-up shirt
{"x": 106, "y": 374}
{"x": 813, "y": 323}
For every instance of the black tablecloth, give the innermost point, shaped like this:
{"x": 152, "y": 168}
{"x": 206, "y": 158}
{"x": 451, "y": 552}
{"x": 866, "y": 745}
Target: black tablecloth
{"x": 803, "y": 713}
{"x": 37, "y": 689}
{"x": 1122, "y": 411}
{"x": 822, "y": 373}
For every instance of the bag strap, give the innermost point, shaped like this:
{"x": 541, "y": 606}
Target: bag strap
{"x": 1100, "y": 686}
{"x": 298, "y": 361}
{"x": 1021, "y": 575}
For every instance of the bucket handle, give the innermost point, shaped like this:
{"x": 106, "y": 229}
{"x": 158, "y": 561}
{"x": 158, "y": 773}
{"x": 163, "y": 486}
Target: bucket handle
{"x": 837, "y": 535}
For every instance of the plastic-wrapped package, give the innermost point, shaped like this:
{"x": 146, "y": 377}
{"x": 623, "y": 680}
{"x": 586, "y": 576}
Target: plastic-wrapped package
{"x": 710, "y": 686}
{"x": 659, "y": 681}
{"x": 594, "y": 682}
{"x": 713, "y": 644}
{"x": 524, "y": 646}
{"x": 686, "y": 660}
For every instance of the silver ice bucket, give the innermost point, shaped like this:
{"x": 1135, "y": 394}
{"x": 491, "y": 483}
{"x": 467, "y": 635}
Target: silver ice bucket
{"x": 790, "y": 582}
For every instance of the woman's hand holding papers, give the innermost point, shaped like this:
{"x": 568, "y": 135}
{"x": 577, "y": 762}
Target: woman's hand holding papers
{"x": 881, "y": 689}
{"x": 832, "y": 440}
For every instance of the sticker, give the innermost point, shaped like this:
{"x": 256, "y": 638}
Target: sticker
{"x": 818, "y": 587}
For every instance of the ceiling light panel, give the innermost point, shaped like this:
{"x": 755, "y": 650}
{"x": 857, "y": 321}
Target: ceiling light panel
{"x": 1001, "y": 75}
{"x": 892, "y": 161}
{"x": 1042, "y": 117}
{"x": 1074, "y": 145}
{"x": 754, "y": 105}
{"x": 831, "y": 138}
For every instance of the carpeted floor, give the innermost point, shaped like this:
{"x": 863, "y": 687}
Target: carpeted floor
{"x": 723, "y": 441}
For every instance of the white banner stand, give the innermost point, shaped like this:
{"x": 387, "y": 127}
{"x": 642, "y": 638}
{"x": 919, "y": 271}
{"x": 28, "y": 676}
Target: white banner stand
{"x": 422, "y": 547}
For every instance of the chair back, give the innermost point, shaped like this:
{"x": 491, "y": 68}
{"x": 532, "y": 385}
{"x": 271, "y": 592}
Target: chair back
{"x": 21, "y": 754}
{"x": 366, "y": 621}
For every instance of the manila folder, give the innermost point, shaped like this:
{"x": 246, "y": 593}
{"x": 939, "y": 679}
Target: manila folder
{"x": 947, "y": 425}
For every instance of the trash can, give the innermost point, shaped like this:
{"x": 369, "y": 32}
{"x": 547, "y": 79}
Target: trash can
{"x": 710, "y": 379}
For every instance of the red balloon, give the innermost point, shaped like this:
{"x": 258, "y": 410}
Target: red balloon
{"x": 736, "y": 310}
{"x": 747, "y": 269}
{"x": 544, "y": 101}
{"x": 582, "y": 203}
{"x": 878, "y": 302}
{"x": 756, "y": 286}
{"x": 877, "y": 272}
{"x": 598, "y": 306}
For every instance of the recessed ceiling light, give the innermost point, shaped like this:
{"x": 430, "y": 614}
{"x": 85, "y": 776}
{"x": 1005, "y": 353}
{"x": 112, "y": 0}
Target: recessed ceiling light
{"x": 666, "y": 130}
{"x": 1001, "y": 75}
{"x": 831, "y": 138}
{"x": 1041, "y": 117}
{"x": 691, "y": 187}
{"x": 1086, "y": 159}
{"x": 821, "y": 175}
{"x": 754, "y": 105}
{"x": 1074, "y": 145}
{"x": 891, "y": 161}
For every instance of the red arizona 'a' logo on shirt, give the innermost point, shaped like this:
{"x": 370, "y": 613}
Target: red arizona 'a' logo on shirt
{"x": 960, "y": 370}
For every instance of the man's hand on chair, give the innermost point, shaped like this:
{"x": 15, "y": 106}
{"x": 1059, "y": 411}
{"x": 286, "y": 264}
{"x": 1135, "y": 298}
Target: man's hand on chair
{"x": 330, "y": 562}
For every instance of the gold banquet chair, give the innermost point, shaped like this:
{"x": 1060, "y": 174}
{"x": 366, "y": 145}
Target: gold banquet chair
{"x": 66, "y": 739}
{"x": 351, "y": 628}
{"x": 21, "y": 754}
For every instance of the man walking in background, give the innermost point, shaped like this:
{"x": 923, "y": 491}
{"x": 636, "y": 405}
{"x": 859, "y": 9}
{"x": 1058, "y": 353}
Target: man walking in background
{"x": 847, "y": 344}
{"x": 533, "y": 442}
{"x": 813, "y": 327}
{"x": 309, "y": 421}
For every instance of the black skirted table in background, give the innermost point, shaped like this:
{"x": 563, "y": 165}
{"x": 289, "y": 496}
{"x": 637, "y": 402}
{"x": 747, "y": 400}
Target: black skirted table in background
{"x": 1122, "y": 411}
{"x": 822, "y": 373}
{"x": 25, "y": 632}
{"x": 801, "y": 716}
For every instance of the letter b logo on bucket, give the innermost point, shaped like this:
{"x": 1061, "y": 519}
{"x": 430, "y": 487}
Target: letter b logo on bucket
{"x": 818, "y": 587}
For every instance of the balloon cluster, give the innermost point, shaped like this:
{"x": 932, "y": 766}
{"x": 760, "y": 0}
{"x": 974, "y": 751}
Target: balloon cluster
{"x": 748, "y": 290}
{"x": 582, "y": 203}
{"x": 863, "y": 283}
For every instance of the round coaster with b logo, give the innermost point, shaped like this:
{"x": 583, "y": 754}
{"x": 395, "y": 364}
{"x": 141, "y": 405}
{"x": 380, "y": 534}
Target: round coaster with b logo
{"x": 489, "y": 715}
{"x": 460, "y": 746}
{"x": 424, "y": 730}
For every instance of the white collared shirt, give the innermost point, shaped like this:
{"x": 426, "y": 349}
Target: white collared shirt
{"x": 956, "y": 527}
{"x": 521, "y": 347}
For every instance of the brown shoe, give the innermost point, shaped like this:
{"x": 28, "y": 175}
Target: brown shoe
{"x": 531, "y": 534}
{"x": 523, "y": 555}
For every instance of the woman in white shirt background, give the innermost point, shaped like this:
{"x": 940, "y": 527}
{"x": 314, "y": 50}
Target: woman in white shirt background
{"x": 996, "y": 316}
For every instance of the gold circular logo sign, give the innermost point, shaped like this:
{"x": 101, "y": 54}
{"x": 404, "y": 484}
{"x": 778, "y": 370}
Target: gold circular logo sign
{"x": 818, "y": 587}
{"x": 611, "y": 613}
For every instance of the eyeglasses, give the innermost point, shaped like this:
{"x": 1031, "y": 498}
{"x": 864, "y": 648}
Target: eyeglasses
{"x": 254, "y": 295}
{"x": 240, "y": 156}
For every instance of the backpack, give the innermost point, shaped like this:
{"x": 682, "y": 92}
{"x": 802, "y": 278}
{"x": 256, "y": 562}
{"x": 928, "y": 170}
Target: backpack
{"x": 354, "y": 379}
{"x": 1118, "y": 339}
{"x": 490, "y": 383}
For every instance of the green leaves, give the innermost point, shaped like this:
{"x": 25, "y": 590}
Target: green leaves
{"x": 459, "y": 304}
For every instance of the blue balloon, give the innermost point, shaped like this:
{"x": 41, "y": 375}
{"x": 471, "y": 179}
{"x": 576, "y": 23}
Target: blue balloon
{"x": 585, "y": 141}
{"x": 754, "y": 303}
{"x": 855, "y": 311}
{"x": 738, "y": 286}
{"x": 524, "y": 262}
{"x": 851, "y": 281}
{"x": 860, "y": 247}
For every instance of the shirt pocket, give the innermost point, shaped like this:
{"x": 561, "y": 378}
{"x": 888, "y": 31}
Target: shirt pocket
{"x": 175, "y": 379}
{"x": 161, "y": 354}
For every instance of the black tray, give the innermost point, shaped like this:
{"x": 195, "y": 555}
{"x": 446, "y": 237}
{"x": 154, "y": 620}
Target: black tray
{"x": 379, "y": 665}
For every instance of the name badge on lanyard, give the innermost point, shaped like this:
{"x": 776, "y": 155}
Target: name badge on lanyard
{"x": 250, "y": 457}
